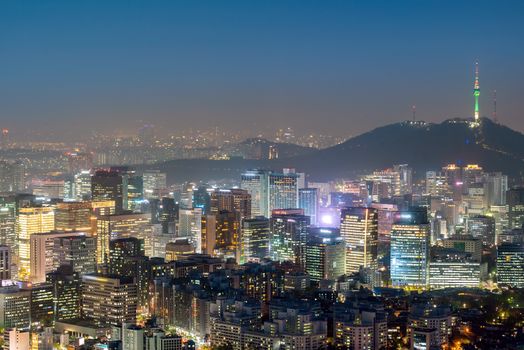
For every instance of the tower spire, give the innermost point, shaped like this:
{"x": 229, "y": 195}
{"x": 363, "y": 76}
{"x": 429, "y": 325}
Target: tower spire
{"x": 476, "y": 91}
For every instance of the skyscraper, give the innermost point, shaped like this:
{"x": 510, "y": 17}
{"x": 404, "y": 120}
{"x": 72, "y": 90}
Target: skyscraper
{"x": 515, "y": 198}
{"x": 510, "y": 265}
{"x": 30, "y": 221}
{"x": 254, "y": 239}
{"x": 289, "y": 232}
{"x": 325, "y": 254}
{"x": 256, "y": 184}
{"x": 110, "y": 184}
{"x": 309, "y": 201}
{"x": 282, "y": 191}
{"x": 109, "y": 300}
{"x": 410, "y": 239}
{"x": 155, "y": 182}
{"x": 359, "y": 229}
{"x": 73, "y": 216}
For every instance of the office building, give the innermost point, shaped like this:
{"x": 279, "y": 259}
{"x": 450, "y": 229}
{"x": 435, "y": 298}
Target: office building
{"x": 111, "y": 185}
{"x": 450, "y": 268}
{"x": 325, "y": 254}
{"x": 308, "y": 200}
{"x": 238, "y": 200}
{"x": 255, "y": 182}
{"x": 15, "y": 306}
{"x": 282, "y": 191}
{"x": 73, "y": 216}
{"x": 410, "y": 242}
{"x": 515, "y": 199}
{"x": 66, "y": 293}
{"x": 82, "y": 185}
{"x": 254, "y": 239}
{"x": 359, "y": 229}
{"x": 510, "y": 265}
{"x": 109, "y": 300}
{"x": 44, "y": 259}
{"x": 155, "y": 184}
{"x": 30, "y": 221}
{"x": 289, "y": 232}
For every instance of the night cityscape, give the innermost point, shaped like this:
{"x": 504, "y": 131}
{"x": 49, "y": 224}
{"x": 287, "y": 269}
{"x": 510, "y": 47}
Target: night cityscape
{"x": 273, "y": 175}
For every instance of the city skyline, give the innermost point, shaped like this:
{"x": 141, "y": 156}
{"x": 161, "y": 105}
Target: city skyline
{"x": 339, "y": 69}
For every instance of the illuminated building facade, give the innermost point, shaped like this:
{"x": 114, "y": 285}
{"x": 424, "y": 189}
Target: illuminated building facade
{"x": 109, "y": 300}
{"x": 515, "y": 198}
{"x": 308, "y": 200}
{"x": 82, "y": 185}
{"x": 111, "y": 227}
{"x": 155, "y": 183}
{"x": 325, "y": 255}
{"x": 256, "y": 184}
{"x": 42, "y": 259}
{"x": 359, "y": 229}
{"x": 510, "y": 265}
{"x": 31, "y": 221}
{"x": 73, "y": 216}
{"x": 254, "y": 239}
{"x": 231, "y": 200}
{"x": 450, "y": 268}
{"x": 282, "y": 191}
{"x": 410, "y": 243}
{"x": 289, "y": 232}
{"x": 15, "y": 306}
{"x": 110, "y": 185}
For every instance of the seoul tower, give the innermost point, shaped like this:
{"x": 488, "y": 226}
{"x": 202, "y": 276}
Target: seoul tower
{"x": 476, "y": 91}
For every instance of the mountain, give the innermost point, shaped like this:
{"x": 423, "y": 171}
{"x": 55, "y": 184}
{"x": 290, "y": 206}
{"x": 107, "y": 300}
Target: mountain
{"x": 257, "y": 148}
{"x": 423, "y": 146}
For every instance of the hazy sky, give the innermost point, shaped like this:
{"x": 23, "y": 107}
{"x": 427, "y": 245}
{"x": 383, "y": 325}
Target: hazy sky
{"x": 336, "y": 67}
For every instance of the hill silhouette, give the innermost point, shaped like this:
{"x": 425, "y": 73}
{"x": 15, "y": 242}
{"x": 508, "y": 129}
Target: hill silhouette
{"x": 424, "y": 146}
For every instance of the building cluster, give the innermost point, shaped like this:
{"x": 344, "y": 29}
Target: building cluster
{"x": 117, "y": 259}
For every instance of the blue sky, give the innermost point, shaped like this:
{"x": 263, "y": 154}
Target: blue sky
{"x": 336, "y": 67}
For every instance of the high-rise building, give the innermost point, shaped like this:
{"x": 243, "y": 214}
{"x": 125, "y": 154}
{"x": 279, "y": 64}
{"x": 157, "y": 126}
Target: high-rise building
{"x": 466, "y": 244}
{"x": 256, "y": 184}
{"x": 5, "y": 262}
{"x": 77, "y": 251}
{"x": 282, "y": 191}
{"x": 436, "y": 184}
{"x": 111, "y": 227}
{"x": 44, "y": 259}
{"x": 325, "y": 254}
{"x": 231, "y": 200}
{"x": 155, "y": 183}
{"x": 8, "y": 209}
{"x": 190, "y": 226}
{"x": 405, "y": 178}
{"x": 495, "y": 188}
{"x": 228, "y": 234}
{"x": 12, "y": 176}
{"x": 510, "y": 265}
{"x": 109, "y": 300}
{"x": 66, "y": 292}
{"x": 82, "y": 185}
{"x": 127, "y": 259}
{"x": 73, "y": 216}
{"x": 410, "y": 239}
{"x": 482, "y": 227}
{"x": 208, "y": 233}
{"x": 111, "y": 185}
{"x": 289, "y": 232}
{"x": 451, "y": 268}
{"x": 254, "y": 239}
{"x": 515, "y": 199}
{"x": 359, "y": 229}
{"x": 308, "y": 199}
{"x": 30, "y": 221}
{"x": 15, "y": 306}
